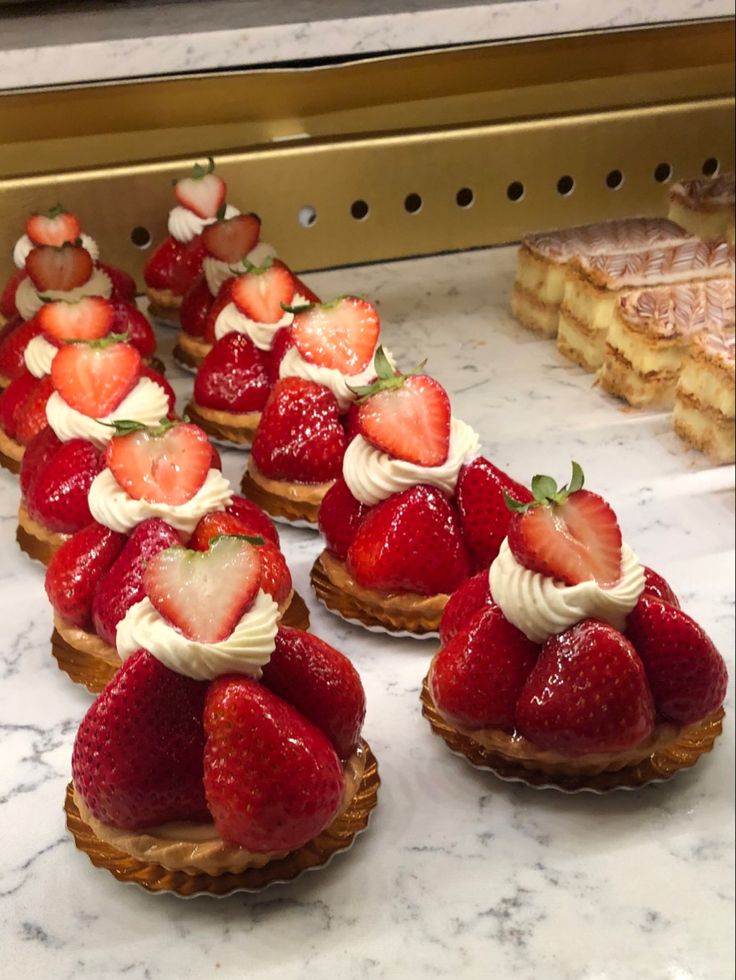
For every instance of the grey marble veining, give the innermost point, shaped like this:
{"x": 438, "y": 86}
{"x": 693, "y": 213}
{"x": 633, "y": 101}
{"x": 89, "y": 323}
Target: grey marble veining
{"x": 459, "y": 874}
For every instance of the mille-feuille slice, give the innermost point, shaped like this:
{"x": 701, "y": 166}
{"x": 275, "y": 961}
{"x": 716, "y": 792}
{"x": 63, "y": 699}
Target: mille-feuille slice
{"x": 705, "y": 206}
{"x": 705, "y": 403}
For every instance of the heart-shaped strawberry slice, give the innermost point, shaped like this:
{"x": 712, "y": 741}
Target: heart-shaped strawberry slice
{"x": 94, "y": 377}
{"x": 203, "y": 192}
{"x": 230, "y": 240}
{"x": 204, "y": 593}
{"x": 89, "y": 318}
{"x": 260, "y": 292}
{"x": 54, "y": 227}
{"x": 60, "y": 268}
{"x": 341, "y": 334}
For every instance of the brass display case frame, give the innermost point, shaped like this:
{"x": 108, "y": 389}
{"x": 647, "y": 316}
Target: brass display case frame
{"x": 390, "y": 157}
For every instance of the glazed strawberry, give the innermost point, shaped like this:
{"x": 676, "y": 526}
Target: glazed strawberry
{"x": 300, "y": 436}
{"x": 411, "y": 541}
{"x": 88, "y": 318}
{"x": 13, "y": 347}
{"x": 195, "y": 308}
{"x": 166, "y": 465}
{"x": 138, "y": 754}
{"x": 275, "y": 575}
{"x": 38, "y": 452}
{"x": 482, "y": 506}
{"x": 75, "y": 570}
{"x": 11, "y": 401}
{"x": 283, "y": 341}
{"x": 350, "y": 421}
{"x": 233, "y": 377}
{"x": 686, "y": 673}
{"x": 122, "y": 586}
{"x": 340, "y": 515}
{"x": 204, "y": 593}
{"x": 320, "y": 683}
{"x": 95, "y": 377}
{"x": 464, "y": 603}
{"x": 257, "y": 520}
{"x": 588, "y": 692}
{"x": 230, "y": 239}
{"x": 31, "y": 415}
{"x": 478, "y": 675}
{"x": 272, "y": 779}
{"x": 569, "y": 534}
{"x": 175, "y": 265}
{"x": 124, "y": 288}
{"x": 128, "y": 319}
{"x": 406, "y": 416}
{"x": 261, "y": 292}
{"x": 53, "y": 227}
{"x": 153, "y": 375}
{"x": 656, "y": 586}
{"x": 203, "y": 192}
{"x": 341, "y": 334}
{"x": 59, "y": 267}
{"x": 222, "y": 300}
{"x": 57, "y": 495}
{"x": 8, "y": 309}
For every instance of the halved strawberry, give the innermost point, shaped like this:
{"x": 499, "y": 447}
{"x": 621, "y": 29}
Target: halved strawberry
{"x": 53, "y": 227}
{"x": 230, "y": 239}
{"x": 59, "y": 267}
{"x": 88, "y": 318}
{"x": 569, "y": 534}
{"x": 406, "y": 416}
{"x": 167, "y": 464}
{"x": 341, "y": 334}
{"x": 260, "y": 292}
{"x": 203, "y": 192}
{"x": 204, "y": 593}
{"x": 95, "y": 377}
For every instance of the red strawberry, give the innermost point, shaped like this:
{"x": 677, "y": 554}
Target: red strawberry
{"x": 122, "y": 586}
{"x": 588, "y": 692}
{"x": 128, "y": 319}
{"x": 569, "y": 534}
{"x": 411, "y": 541}
{"x": 164, "y": 465}
{"x": 321, "y": 684}
{"x": 686, "y": 673}
{"x": 11, "y": 401}
{"x": 483, "y": 512}
{"x": 175, "y": 265}
{"x": 275, "y": 575}
{"x": 656, "y": 586}
{"x": 222, "y": 300}
{"x": 203, "y": 192}
{"x": 472, "y": 596}
{"x": 341, "y": 334}
{"x": 204, "y": 593}
{"x": 138, "y": 754}
{"x": 31, "y": 415}
{"x": 478, "y": 675}
{"x": 340, "y": 516}
{"x": 255, "y": 518}
{"x": 75, "y": 569}
{"x": 152, "y": 375}
{"x": 282, "y": 342}
{"x": 95, "y": 377}
{"x": 230, "y": 239}
{"x": 260, "y": 292}
{"x": 8, "y": 308}
{"x": 88, "y": 318}
{"x": 13, "y": 346}
{"x": 59, "y": 267}
{"x": 57, "y": 495}
{"x": 124, "y": 288}
{"x": 272, "y": 779}
{"x": 233, "y": 377}
{"x": 195, "y": 308}
{"x": 303, "y": 290}
{"x": 38, "y": 452}
{"x": 407, "y": 417}
{"x": 350, "y": 421}
{"x": 53, "y": 227}
{"x": 300, "y": 436}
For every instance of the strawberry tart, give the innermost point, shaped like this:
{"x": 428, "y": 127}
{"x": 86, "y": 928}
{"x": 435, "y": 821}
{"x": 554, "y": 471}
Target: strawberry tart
{"x": 412, "y": 514}
{"x": 95, "y": 383}
{"x": 570, "y": 664}
{"x": 226, "y": 753}
{"x": 158, "y": 486}
{"x": 249, "y": 326}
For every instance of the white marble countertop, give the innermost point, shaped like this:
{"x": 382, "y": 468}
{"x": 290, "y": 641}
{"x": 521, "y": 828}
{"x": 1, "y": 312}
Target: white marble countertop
{"x": 71, "y": 42}
{"x": 459, "y": 875}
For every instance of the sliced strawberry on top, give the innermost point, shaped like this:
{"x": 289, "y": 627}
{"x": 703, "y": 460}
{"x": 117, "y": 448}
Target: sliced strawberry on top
{"x": 59, "y": 267}
{"x": 230, "y": 239}
{"x": 53, "y": 227}
{"x": 260, "y": 292}
{"x": 203, "y": 192}
{"x": 204, "y": 593}
{"x": 341, "y": 334}
{"x": 88, "y": 318}
{"x": 94, "y": 377}
{"x": 167, "y": 464}
{"x": 569, "y": 534}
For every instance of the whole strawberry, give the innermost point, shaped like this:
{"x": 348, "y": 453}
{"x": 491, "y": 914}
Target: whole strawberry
{"x": 340, "y": 516}
{"x": 256, "y": 519}
{"x": 13, "y": 346}
{"x": 75, "y": 569}
{"x": 195, "y": 308}
{"x": 11, "y": 401}
{"x": 658, "y": 587}
{"x": 57, "y": 495}
{"x": 31, "y": 414}
{"x": 233, "y": 377}
{"x": 38, "y": 452}
{"x": 481, "y": 502}
{"x": 464, "y": 603}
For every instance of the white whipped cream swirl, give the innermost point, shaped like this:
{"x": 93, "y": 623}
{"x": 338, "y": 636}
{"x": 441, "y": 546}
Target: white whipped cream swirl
{"x": 38, "y": 355}
{"x": 185, "y": 225}
{"x": 28, "y": 301}
{"x": 146, "y": 403}
{"x": 372, "y": 475}
{"x": 232, "y": 320}
{"x": 24, "y": 246}
{"x": 541, "y": 606}
{"x": 245, "y": 651}
{"x": 111, "y": 506}
{"x": 216, "y": 271}
{"x": 293, "y": 365}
